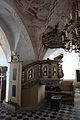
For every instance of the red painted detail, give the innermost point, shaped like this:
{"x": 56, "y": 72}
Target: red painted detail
{"x": 32, "y": 11}
{"x": 19, "y": 3}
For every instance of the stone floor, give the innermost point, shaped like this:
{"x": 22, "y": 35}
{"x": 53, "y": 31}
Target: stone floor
{"x": 67, "y": 112}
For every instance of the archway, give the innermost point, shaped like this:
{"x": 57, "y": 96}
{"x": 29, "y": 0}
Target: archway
{"x": 5, "y": 54}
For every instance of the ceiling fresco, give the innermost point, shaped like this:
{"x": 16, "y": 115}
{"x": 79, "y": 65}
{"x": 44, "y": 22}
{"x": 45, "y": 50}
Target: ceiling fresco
{"x": 44, "y": 13}
{"x": 36, "y": 16}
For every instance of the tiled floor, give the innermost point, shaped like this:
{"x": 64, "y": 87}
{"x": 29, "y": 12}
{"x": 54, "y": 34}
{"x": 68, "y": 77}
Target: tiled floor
{"x": 67, "y": 112}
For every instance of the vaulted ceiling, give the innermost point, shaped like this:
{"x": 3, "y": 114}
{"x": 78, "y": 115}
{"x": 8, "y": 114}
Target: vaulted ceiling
{"x": 22, "y": 23}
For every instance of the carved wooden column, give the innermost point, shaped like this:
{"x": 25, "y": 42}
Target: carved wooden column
{"x": 40, "y": 70}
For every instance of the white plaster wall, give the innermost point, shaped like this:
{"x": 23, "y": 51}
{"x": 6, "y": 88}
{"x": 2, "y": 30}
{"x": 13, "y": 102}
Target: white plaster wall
{"x": 3, "y": 60}
{"x": 70, "y": 64}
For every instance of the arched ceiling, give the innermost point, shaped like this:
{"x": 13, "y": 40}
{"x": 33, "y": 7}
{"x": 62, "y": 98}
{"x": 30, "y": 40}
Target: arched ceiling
{"x": 4, "y": 44}
{"x": 24, "y": 21}
{"x": 15, "y": 32}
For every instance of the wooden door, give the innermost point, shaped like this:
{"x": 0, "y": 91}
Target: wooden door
{"x": 3, "y": 89}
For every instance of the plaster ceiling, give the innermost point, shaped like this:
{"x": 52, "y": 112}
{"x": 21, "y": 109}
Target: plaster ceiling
{"x": 44, "y": 13}
{"x": 24, "y": 21}
{"x": 15, "y": 33}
